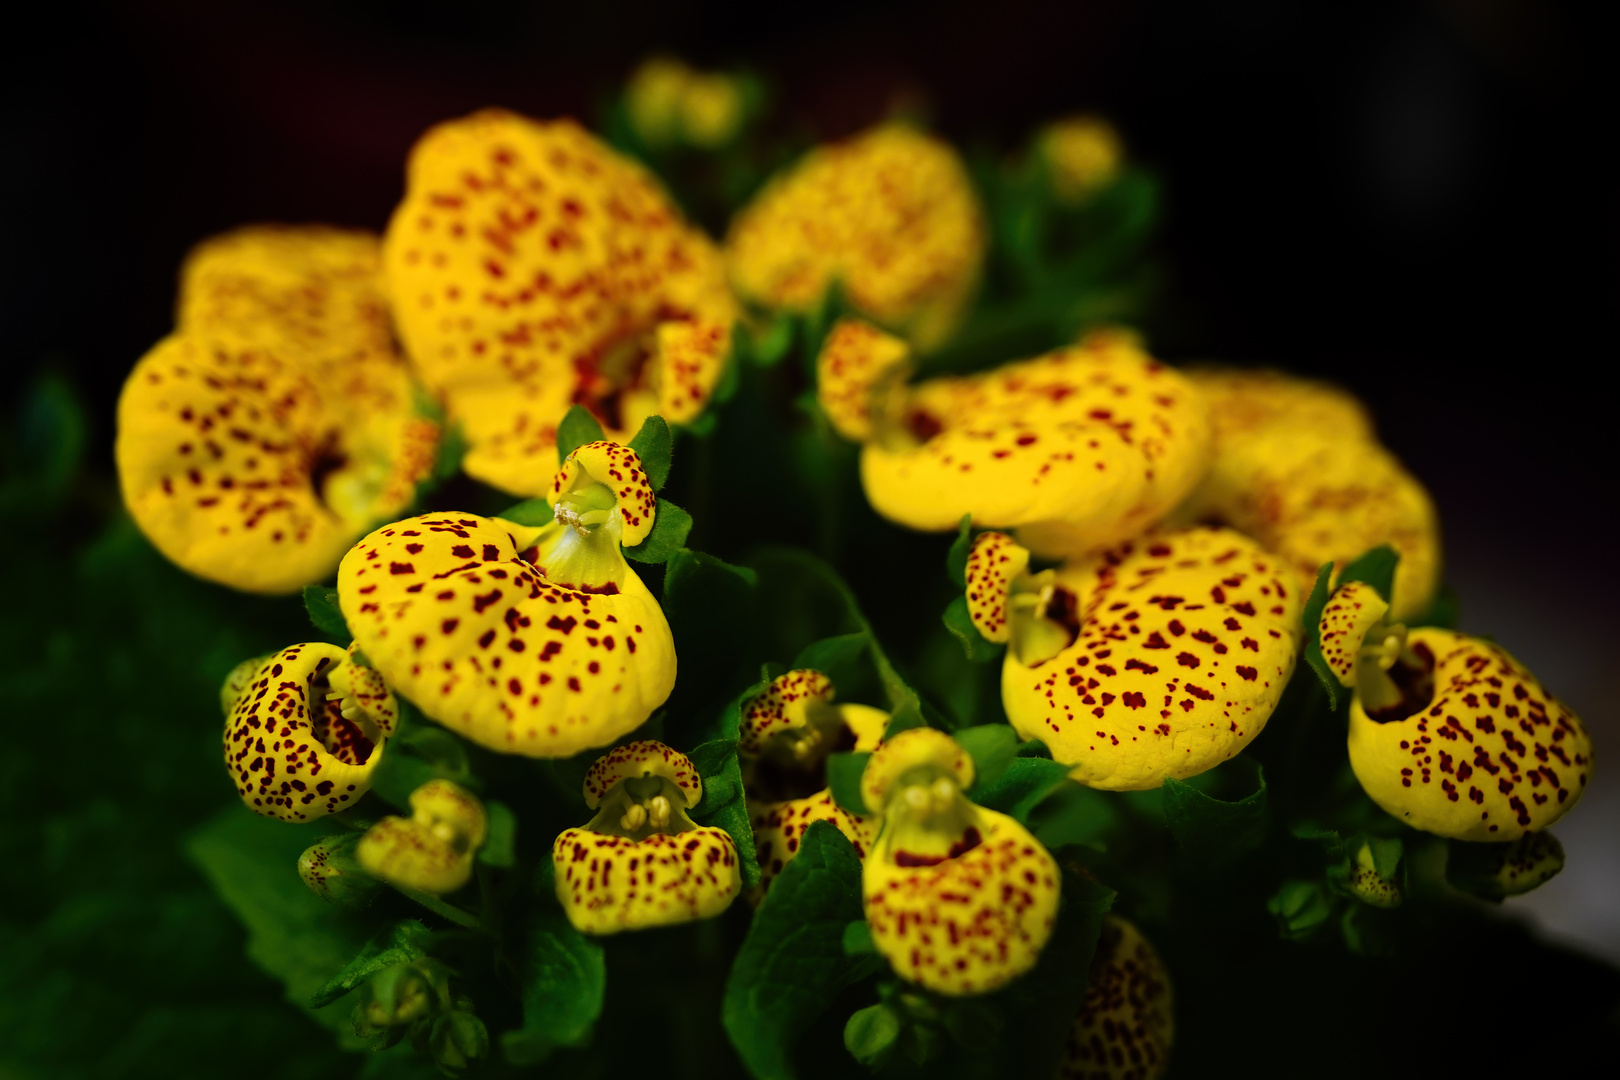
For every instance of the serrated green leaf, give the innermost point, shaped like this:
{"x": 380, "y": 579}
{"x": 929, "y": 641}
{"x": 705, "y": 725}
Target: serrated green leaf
{"x": 961, "y": 627}
{"x": 844, "y": 779}
{"x": 709, "y": 604}
{"x": 1311, "y": 622}
{"x": 578, "y": 427}
{"x": 1376, "y": 568}
{"x": 1214, "y": 834}
{"x": 1021, "y": 786}
{"x": 500, "y": 844}
{"x": 656, "y": 447}
{"x": 564, "y": 983}
{"x": 992, "y": 748}
{"x": 870, "y": 1033}
{"x": 419, "y": 752}
{"x": 792, "y": 963}
{"x": 399, "y": 943}
{"x": 724, "y": 805}
{"x": 322, "y": 605}
{"x": 956, "y": 559}
{"x": 838, "y": 657}
{"x": 671, "y": 527}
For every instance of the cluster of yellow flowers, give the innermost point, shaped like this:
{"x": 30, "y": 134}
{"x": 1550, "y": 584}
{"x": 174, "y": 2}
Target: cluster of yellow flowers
{"x": 276, "y": 437}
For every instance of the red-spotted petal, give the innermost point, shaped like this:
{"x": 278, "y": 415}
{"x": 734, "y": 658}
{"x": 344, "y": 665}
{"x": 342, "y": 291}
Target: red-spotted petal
{"x": 607, "y": 884}
{"x": 619, "y": 467}
{"x": 1352, "y": 610}
{"x": 638, "y": 759}
{"x": 993, "y": 562}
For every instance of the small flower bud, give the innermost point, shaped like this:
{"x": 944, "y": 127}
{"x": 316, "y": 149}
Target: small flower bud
{"x": 402, "y": 994}
{"x": 457, "y": 1039}
{"x": 334, "y": 874}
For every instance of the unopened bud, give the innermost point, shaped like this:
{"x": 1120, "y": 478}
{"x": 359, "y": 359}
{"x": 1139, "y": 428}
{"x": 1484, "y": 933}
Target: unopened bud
{"x": 403, "y": 994}
{"x": 457, "y": 1039}
{"x": 333, "y": 872}
{"x": 237, "y": 681}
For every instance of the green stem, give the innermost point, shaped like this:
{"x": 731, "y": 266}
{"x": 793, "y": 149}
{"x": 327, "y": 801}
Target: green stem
{"x": 457, "y": 915}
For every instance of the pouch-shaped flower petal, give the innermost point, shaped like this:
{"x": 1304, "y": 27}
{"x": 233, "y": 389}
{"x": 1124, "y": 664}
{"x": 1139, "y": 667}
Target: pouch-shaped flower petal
{"x": 1296, "y": 465}
{"x": 854, "y": 356}
{"x": 889, "y": 214}
{"x": 296, "y": 749}
{"x": 1178, "y": 646}
{"x": 1490, "y": 756}
{"x": 1082, "y": 447}
{"x": 960, "y": 899}
{"x": 533, "y": 268}
{"x": 1126, "y": 1022}
{"x": 433, "y": 849}
{"x": 641, "y": 861}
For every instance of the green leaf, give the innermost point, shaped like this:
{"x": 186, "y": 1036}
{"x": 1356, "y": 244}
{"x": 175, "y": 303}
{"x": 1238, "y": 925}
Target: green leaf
{"x": 500, "y": 845}
{"x": 322, "y": 605}
{"x": 564, "y": 983}
{"x": 578, "y": 427}
{"x": 792, "y": 963}
{"x": 844, "y": 778}
{"x": 773, "y": 343}
{"x": 1312, "y": 624}
{"x": 656, "y": 448}
{"x": 956, "y": 559}
{"x": 400, "y": 943}
{"x": 709, "y": 604}
{"x": 419, "y": 752}
{"x": 1072, "y": 813}
{"x": 1376, "y": 568}
{"x": 1021, "y": 786}
{"x": 1212, "y": 833}
{"x": 724, "y": 805}
{"x": 1300, "y": 908}
{"x": 992, "y": 748}
{"x": 960, "y": 624}
{"x": 671, "y": 527}
{"x": 531, "y": 512}
{"x": 871, "y": 1032}
{"x": 858, "y": 939}
{"x": 839, "y": 658}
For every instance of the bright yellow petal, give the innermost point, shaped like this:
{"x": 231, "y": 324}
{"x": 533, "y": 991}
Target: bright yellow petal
{"x": 609, "y": 883}
{"x": 404, "y": 851}
{"x": 1350, "y": 612}
{"x": 912, "y": 749}
{"x": 1127, "y": 1021}
{"x": 993, "y": 562}
{"x": 290, "y": 750}
{"x": 452, "y": 612}
{"x": 779, "y": 826}
{"x": 867, "y": 723}
{"x": 1083, "y": 155}
{"x": 970, "y": 923}
{"x": 1492, "y": 757}
{"x": 853, "y": 357}
{"x": 890, "y": 214}
{"x": 533, "y": 267}
{"x": 640, "y": 759}
{"x": 784, "y": 704}
{"x": 1184, "y": 642}
{"x": 619, "y": 467}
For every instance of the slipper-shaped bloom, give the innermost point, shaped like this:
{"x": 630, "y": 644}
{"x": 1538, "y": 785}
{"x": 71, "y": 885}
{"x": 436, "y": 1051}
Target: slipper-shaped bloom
{"x": 1297, "y": 466}
{"x": 1077, "y": 449}
{"x": 1448, "y": 732}
{"x": 300, "y": 743}
{"x": 1127, "y": 1022}
{"x": 433, "y": 849}
{"x": 641, "y": 861}
{"x": 960, "y": 899}
{"x": 532, "y": 268}
{"x": 786, "y": 734}
{"x": 1161, "y": 657}
{"x": 277, "y": 423}
{"x": 535, "y": 640}
{"x": 889, "y": 214}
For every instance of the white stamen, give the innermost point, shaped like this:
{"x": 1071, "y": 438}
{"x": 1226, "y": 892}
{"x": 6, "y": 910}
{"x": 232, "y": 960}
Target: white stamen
{"x": 633, "y": 818}
{"x": 658, "y": 812}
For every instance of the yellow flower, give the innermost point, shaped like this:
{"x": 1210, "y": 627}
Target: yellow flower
{"x": 298, "y": 746}
{"x": 533, "y": 268}
{"x": 641, "y": 861}
{"x": 1127, "y": 1022}
{"x": 889, "y": 214}
{"x": 786, "y": 734}
{"x": 960, "y": 899}
{"x": 433, "y": 849}
{"x": 277, "y": 423}
{"x": 1448, "y": 732}
{"x": 669, "y": 102}
{"x": 1077, "y": 449}
{"x": 1297, "y": 466}
{"x": 527, "y": 640}
{"x": 1162, "y": 657}
{"x": 1082, "y": 155}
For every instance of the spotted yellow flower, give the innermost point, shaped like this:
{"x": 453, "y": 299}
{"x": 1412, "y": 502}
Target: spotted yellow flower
{"x": 960, "y": 899}
{"x": 669, "y": 102}
{"x": 786, "y": 734}
{"x": 889, "y": 214}
{"x": 277, "y": 423}
{"x": 1161, "y": 657}
{"x": 1077, "y": 449}
{"x": 536, "y": 640}
{"x": 1448, "y": 732}
{"x": 1126, "y": 1024}
{"x": 300, "y": 741}
{"x": 1297, "y": 466}
{"x": 1082, "y": 155}
{"x": 533, "y": 268}
{"x": 641, "y": 861}
{"x": 433, "y": 849}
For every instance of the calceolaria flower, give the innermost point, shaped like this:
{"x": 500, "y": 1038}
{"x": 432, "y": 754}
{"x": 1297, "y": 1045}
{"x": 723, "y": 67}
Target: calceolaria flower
{"x": 641, "y": 861}
{"x": 1127, "y": 1022}
{"x": 1297, "y": 466}
{"x": 306, "y": 731}
{"x": 668, "y": 102}
{"x": 433, "y": 849}
{"x": 888, "y": 214}
{"x": 960, "y": 899}
{"x": 1161, "y": 657}
{"x": 532, "y": 268}
{"x": 277, "y": 423}
{"x": 1082, "y": 155}
{"x": 536, "y": 640}
{"x": 1077, "y": 449}
{"x": 1448, "y": 732}
{"x": 786, "y": 734}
